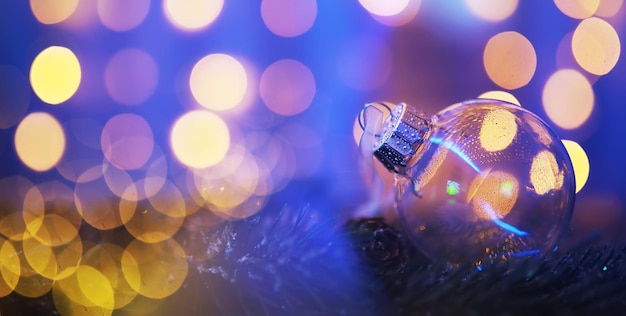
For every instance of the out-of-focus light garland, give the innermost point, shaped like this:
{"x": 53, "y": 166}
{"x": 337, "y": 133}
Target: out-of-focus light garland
{"x": 146, "y": 153}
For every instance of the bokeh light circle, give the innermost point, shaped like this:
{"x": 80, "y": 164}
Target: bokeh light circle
{"x": 288, "y": 18}
{"x": 53, "y": 263}
{"x": 192, "y": 15}
{"x": 52, "y": 12}
{"x": 492, "y": 11}
{"x": 95, "y": 202}
{"x": 500, "y": 95}
{"x": 9, "y": 268}
{"x": 106, "y": 258}
{"x": 122, "y": 15}
{"x": 609, "y": 8}
{"x": 580, "y": 162}
{"x": 127, "y": 141}
{"x": 19, "y": 199}
{"x": 578, "y": 9}
{"x": 384, "y": 8}
{"x": 131, "y": 76}
{"x": 40, "y": 141}
{"x": 218, "y": 82}
{"x": 510, "y": 60}
{"x": 14, "y": 96}
{"x": 568, "y": 98}
{"x": 596, "y": 46}
{"x": 287, "y": 87}
{"x": 155, "y": 270}
{"x": 200, "y": 139}
{"x": 55, "y": 74}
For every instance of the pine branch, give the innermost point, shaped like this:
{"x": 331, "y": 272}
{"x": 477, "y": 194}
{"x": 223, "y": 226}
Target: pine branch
{"x": 302, "y": 262}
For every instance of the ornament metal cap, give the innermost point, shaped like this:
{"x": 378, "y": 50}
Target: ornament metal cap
{"x": 402, "y": 133}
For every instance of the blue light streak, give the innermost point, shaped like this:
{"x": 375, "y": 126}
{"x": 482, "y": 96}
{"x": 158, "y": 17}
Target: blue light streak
{"x": 455, "y": 149}
{"x": 499, "y": 222}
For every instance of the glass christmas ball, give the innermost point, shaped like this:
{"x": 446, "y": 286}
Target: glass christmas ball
{"x": 480, "y": 181}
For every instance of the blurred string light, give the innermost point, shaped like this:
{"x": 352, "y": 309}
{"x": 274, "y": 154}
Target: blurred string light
{"x": 580, "y": 162}
{"x": 596, "y": 46}
{"x": 578, "y": 9}
{"x": 500, "y": 95}
{"x": 510, "y": 60}
{"x": 39, "y": 141}
{"x": 218, "y": 82}
{"x": 492, "y": 11}
{"x": 55, "y": 74}
{"x": 131, "y": 76}
{"x": 288, "y": 18}
{"x": 287, "y": 87}
{"x": 52, "y": 12}
{"x": 572, "y": 109}
{"x": 14, "y": 96}
{"x": 122, "y": 15}
{"x": 192, "y": 15}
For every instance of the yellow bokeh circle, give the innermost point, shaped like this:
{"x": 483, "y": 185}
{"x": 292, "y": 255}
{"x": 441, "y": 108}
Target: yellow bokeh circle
{"x": 55, "y": 74}
{"x": 596, "y": 46}
{"x": 510, "y": 60}
{"x": 200, "y": 139}
{"x": 580, "y": 162}
{"x": 40, "y": 141}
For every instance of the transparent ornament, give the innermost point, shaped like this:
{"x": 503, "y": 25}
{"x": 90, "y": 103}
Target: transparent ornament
{"x": 480, "y": 181}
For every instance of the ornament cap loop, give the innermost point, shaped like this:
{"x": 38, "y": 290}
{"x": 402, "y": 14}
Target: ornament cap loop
{"x": 402, "y": 134}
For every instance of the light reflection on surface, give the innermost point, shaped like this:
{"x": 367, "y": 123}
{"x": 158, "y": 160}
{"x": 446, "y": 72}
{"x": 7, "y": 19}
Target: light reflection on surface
{"x": 498, "y": 130}
{"x": 544, "y": 173}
